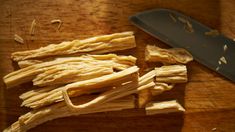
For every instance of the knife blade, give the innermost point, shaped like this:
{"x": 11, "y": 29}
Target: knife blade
{"x": 217, "y": 52}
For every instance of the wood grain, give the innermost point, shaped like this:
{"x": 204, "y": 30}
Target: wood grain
{"x": 208, "y": 97}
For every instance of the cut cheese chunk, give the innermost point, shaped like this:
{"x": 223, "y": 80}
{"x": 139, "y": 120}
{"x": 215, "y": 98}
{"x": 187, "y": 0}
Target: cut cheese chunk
{"x": 163, "y": 107}
{"x": 169, "y": 56}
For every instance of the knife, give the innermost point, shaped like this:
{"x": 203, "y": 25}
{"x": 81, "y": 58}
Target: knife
{"x": 208, "y": 47}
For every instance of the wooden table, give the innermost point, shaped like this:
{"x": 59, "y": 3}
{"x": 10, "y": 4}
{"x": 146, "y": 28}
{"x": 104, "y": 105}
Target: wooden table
{"x": 208, "y": 97}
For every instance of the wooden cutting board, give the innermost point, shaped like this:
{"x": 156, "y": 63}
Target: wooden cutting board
{"x": 208, "y": 97}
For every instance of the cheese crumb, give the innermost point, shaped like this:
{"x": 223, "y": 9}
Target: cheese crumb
{"x": 222, "y": 59}
{"x": 172, "y": 17}
{"x": 181, "y": 19}
{"x": 188, "y": 26}
{"x": 213, "y": 129}
{"x": 18, "y": 39}
{"x": 225, "y": 47}
{"x": 212, "y": 33}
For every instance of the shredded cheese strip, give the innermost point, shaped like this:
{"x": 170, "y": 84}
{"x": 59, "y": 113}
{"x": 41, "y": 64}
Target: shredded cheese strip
{"x": 26, "y": 63}
{"x": 68, "y": 73}
{"x": 172, "y": 74}
{"x": 32, "y": 27}
{"x": 169, "y": 56}
{"x": 181, "y": 19}
{"x": 124, "y": 59}
{"x": 60, "y": 110}
{"x": 71, "y": 73}
{"x": 34, "y": 72}
{"x": 94, "y": 45}
{"x": 163, "y": 107}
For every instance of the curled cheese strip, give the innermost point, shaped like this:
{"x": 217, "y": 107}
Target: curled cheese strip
{"x": 26, "y": 63}
{"x": 57, "y": 21}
